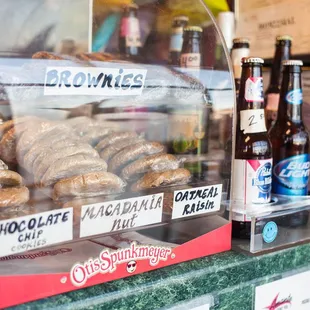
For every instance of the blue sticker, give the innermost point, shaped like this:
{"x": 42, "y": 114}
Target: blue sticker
{"x": 270, "y": 232}
{"x": 294, "y": 96}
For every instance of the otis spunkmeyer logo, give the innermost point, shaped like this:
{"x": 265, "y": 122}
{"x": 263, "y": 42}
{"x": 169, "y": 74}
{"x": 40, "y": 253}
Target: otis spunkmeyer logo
{"x": 94, "y": 81}
{"x": 109, "y": 260}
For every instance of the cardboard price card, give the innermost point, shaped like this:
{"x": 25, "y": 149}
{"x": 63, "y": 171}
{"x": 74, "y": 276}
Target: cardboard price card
{"x": 35, "y": 231}
{"x": 122, "y": 214}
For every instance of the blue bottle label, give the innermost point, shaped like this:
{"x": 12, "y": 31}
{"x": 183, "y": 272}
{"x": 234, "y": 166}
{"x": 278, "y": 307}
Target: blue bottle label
{"x": 294, "y": 96}
{"x": 291, "y": 175}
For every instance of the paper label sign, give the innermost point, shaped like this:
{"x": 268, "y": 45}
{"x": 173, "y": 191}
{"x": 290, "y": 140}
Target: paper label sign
{"x": 288, "y": 293}
{"x": 123, "y": 214}
{"x": 35, "y": 231}
{"x": 252, "y": 121}
{"x": 196, "y": 201}
{"x": 93, "y": 81}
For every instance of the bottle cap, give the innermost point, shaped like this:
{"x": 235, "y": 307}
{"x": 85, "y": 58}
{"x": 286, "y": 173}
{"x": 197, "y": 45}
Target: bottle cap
{"x": 226, "y": 22}
{"x": 284, "y": 38}
{"x": 247, "y": 60}
{"x": 193, "y": 28}
{"x": 290, "y": 62}
{"x": 181, "y": 18}
{"x": 131, "y": 6}
{"x": 241, "y": 40}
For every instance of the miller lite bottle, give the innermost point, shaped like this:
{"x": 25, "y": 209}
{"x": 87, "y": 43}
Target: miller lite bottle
{"x": 252, "y": 177}
{"x": 290, "y": 142}
{"x": 129, "y": 36}
{"x": 272, "y": 94}
{"x": 176, "y": 39}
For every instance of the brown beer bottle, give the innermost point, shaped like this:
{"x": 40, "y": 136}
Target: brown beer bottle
{"x": 187, "y": 130}
{"x": 129, "y": 36}
{"x": 251, "y": 182}
{"x": 176, "y": 39}
{"x": 272, "y": 94}
{"x": 240, "y": 49}
{"x": 290, "y": 141}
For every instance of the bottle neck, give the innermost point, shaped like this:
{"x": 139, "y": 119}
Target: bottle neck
{"x": 283, "y": 52}
{"x": 251, "y": 88}
{"x": 290, "y": 108}
{"x": 191, "y": 45}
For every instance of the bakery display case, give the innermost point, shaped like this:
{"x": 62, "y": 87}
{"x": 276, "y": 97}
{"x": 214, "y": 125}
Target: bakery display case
{"x": 113, "y": 143}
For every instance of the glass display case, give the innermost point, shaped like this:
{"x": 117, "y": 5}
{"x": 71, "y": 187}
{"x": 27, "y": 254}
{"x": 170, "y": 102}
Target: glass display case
{"x": 113, "y": 142}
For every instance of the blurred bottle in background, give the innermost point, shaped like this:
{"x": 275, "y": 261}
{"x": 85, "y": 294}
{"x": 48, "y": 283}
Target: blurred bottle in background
{"x": 272, "y": 94}
{"x": 129, "y": 36}
{"x": 240, "y": 49}
{"x": 176, "y": 39}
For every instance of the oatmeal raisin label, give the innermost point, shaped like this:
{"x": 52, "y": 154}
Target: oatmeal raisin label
{"x": 195, "y": 201}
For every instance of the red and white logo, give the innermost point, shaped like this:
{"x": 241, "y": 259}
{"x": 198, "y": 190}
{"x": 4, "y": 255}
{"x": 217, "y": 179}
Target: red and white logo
{"x": 281, "y": 304}
{"x": 254, "y": 90}
{"x": 108, "y": 261}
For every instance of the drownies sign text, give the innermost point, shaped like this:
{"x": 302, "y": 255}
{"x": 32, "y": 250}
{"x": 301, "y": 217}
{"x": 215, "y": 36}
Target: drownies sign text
{"x": 93, "y": 81}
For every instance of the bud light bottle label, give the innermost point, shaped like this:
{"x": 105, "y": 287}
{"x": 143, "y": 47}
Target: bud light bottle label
{"x": 252, "y": 181}
{"x": 291, "y": 175}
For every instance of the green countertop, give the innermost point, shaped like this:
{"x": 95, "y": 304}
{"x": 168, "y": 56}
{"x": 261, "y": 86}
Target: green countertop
{"x": 228, "y": 277}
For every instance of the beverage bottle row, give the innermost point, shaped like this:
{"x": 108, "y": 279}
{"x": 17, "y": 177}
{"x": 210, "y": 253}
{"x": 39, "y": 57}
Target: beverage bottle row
{"x": 277, "y": 160}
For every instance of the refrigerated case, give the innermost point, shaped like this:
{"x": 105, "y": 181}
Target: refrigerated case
{"x": 104, "y": 174}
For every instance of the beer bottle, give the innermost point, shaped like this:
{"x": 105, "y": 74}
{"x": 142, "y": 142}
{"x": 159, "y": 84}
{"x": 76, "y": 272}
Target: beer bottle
{"x": 188, "y": 118}
{"x": 191, "y": 53}
{"x": 290, "y": 141}
{"x": 272, "y": 94}
{"x": 176, "y": 39}
{"x": 251, "y": 182}
{"x": 240, "y": 49}
{"x": 129, "y": 36}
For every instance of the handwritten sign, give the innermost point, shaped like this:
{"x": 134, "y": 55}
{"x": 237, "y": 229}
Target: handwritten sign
{"x": 196, "y": 201}
{"x": 252, "y": 121}
{"x": 287, "y": 293}
{"x": 123, "y": 214}
{"x": 93, "y": 81}
{"x": 35, "y": 231}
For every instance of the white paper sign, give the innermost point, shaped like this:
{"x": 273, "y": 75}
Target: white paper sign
{"x": 252, "y": 121}
{"x": 288, "y": 293}
{"x": 196, "y": 201}
{"x": 60, "y": 81}
{"x": 123, "y": 214}
{"x": 35, "y": 231}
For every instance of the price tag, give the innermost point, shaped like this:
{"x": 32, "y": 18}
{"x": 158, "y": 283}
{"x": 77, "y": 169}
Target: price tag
{"x": 252, "y": 121}
{"x": 287, "y": 293}
{"x": 123, "y": 214}
{"x": 196, "y": 201}
{"x": 35, "y": 231}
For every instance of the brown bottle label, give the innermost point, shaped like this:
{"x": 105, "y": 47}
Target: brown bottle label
{"x": 191, "y": 60}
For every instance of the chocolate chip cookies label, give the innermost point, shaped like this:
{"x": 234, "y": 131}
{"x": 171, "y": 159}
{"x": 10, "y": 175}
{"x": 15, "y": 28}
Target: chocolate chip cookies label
{"x": 122, "y": 214}
{"x": 35, "y": 231}
{"x": 196, "y": 201}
